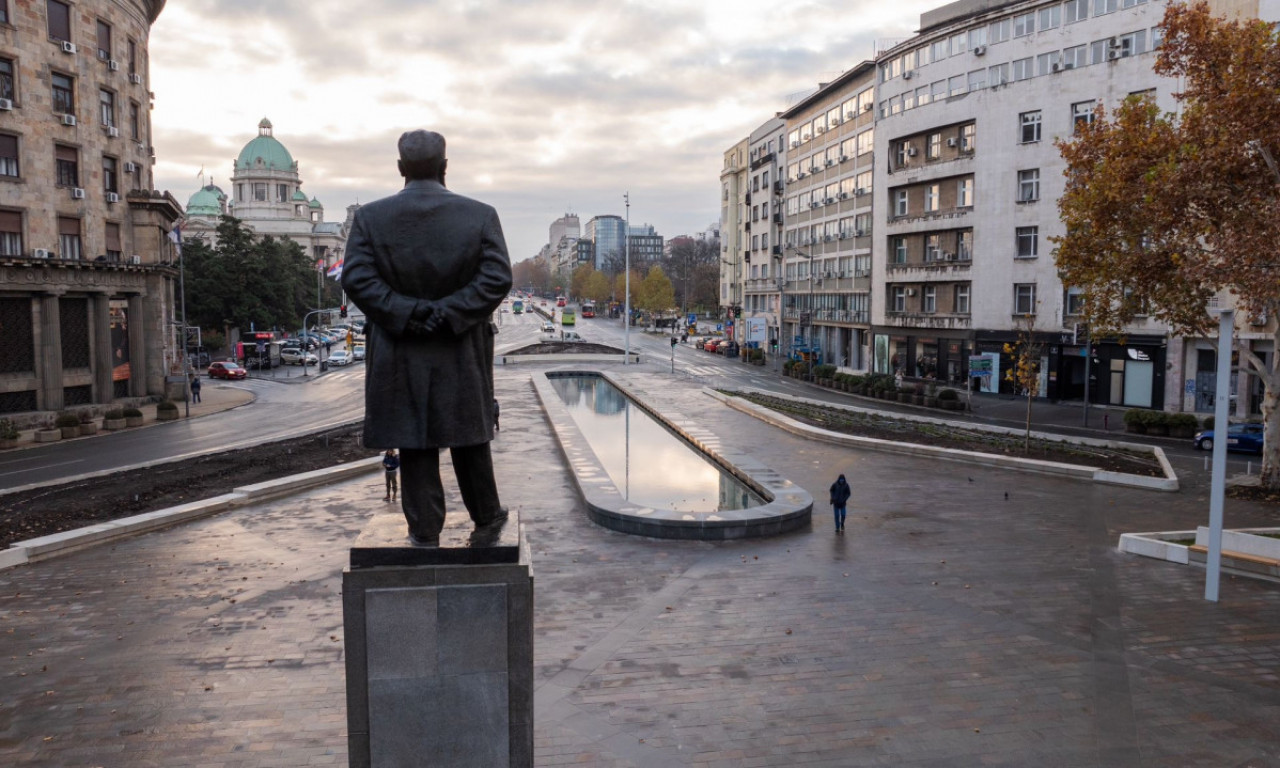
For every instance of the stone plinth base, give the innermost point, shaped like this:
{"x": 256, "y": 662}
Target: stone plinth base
{"x": 439, "y": 645}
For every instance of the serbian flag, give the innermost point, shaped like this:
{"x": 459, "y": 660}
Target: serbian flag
{"x": 319, "y": 265}
{"x": 336, "y": 270}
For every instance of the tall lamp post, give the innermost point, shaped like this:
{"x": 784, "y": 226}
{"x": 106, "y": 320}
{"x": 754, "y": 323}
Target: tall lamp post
{"x": 626, "y": 291}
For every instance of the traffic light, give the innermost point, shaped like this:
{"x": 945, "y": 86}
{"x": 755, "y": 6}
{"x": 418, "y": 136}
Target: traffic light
{"x": 674, "y": 341}
{"x": 342, "y": 311}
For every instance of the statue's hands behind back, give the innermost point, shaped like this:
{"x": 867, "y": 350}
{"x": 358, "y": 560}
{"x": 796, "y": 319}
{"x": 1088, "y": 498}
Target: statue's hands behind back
{"x": 425, "y": 320}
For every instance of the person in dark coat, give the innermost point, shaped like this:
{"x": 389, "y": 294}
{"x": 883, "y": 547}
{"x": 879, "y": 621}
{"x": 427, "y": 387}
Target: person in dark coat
{"x": 428, "y": 268}
{"x": 195, "y": 388}
{"x": 840, "y": 493}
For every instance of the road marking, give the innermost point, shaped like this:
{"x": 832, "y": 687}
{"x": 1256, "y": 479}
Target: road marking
{"x": 42, "y": 466}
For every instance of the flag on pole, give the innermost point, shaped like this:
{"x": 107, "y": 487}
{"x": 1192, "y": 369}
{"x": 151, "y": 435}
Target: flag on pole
{"x": 175, "y": 236}
{"x": 319, "y": 265}
{"x": 336, "y": 270}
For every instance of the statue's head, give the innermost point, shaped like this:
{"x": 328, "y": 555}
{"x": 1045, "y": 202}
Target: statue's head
{"x": 422, "y": 156}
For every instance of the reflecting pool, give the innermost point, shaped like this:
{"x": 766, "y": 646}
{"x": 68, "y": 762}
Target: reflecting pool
{"x": 648, "y": 463}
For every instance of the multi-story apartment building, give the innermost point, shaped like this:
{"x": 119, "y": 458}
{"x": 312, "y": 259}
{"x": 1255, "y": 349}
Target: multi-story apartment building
{"x": 645, "y": 244}
{"x": 967, "y": 113}
{"x": 567, "y": 225}
{"x": 733, "y": 237}
{"x": 828, "y": 222}
{"x": 86, "y": 275}
{"x": 762, "y": 214}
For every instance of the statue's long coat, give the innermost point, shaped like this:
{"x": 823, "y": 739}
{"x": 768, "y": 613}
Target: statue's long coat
{"x": 426, "y": 242}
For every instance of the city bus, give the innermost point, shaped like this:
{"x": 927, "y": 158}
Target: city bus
{"x": 517, "y": 307}
{"x": 567, "y": 317}
{"x": 588, "y": 309}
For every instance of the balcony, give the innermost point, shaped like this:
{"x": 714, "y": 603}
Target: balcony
{"x": 929, "y": 271}
{"x": 761, "y": 160}
{"x": 938, "y": 320}
{"x": 954, "y": 213}
{"x": 777, "y": 218}
{"x": 778, "y": 189}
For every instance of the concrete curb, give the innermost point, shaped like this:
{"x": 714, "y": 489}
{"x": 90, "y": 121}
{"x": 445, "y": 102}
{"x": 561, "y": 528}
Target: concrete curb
{"x": 568, "y": 357}
{"x": 1168, "y": 483}
{"x": 788, "y": 506}
{"x": 45, "y": 547}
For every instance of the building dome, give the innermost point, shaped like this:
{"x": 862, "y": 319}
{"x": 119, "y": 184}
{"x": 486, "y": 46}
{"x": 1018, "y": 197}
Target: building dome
{"x": 265, "y": 153}
{"x": 299, "y": 196}
{"x": 315, "y": 203}
{"x": 207, "y": 201}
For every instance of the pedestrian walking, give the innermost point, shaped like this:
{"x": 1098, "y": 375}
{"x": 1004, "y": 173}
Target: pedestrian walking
{"x": 195, "y": 388}
{"x": 840, "y": 493}
{"x": 391, "y": 463}
{"x": 496, "y": 410}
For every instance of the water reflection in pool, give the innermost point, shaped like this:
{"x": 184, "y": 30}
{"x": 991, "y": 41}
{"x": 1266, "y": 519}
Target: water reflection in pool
{"x": 649, "y": 465}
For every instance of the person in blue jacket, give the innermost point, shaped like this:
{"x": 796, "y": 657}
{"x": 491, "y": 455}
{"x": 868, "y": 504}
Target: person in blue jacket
{"x": 840, "y": 493}
{"x": 391, "y": 463}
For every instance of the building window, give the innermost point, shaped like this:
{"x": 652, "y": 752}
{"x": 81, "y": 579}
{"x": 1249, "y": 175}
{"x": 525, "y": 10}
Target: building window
{"x": 282, "y": 193}
{"x": 59, "y": 15}
{"x": 934, "y": 149}
{"x": 900, "y": 154}
{"x": 7, "y": 82}
{"x": 1075, "y": 10}
{"x": 932, "y": 248}
{"x": 1050, "y": 17}
{"x": 899, "y": 298}
{"x": 133, "y": 57}
{"x": 4, "y": 11}
{"x": 929, "y": 304}
{"x": 1024, "y": 24}
{"x": 260, "y": 192}
{"x": 931, "y": 198}
{"x": 64, "y": 93}
{"x": 104, "y": 40}
{"x": 964, "y": 193}
{"x": 1081, "y": 114}
{"x": 10, "y": 233}
{"x": 67, "y": 166}
{"x": 69, "y": 238}
{"x": 899, "y": 250}
{"x": 8, "y": 155}
{"x": 110, "y": 176}
{"x": 900, "y": 202}
{"x": 1102, "y": 7}
{"x": 1073, "y": 58}
{"x": 1028, "y": 242}
{"x": 1029, "y": 185}
{"x": 1022, "y": 69}
{"x": 1073, "y": 303}
{"x": 964, "y": 245}
{"x": 135, "y": 130}
{"x": 114, "y": 251}
{"x": 960, "y": 299}
{"x": 968, "y": 137}
{"x": 1030, "y": 127}
{"x": 1024, "y": 298}
{"x": 107, "y": 107}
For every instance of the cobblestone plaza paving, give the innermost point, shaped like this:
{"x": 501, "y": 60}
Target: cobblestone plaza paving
{"x": 949, "y": 626}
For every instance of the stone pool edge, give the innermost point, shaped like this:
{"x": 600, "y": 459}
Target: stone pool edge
{"x": 788, "y": 507}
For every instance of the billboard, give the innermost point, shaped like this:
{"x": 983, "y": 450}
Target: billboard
{"x": 756, "y": 330}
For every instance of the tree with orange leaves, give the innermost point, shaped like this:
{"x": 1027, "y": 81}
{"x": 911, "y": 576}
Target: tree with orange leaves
{"x": 1164, "y": 211}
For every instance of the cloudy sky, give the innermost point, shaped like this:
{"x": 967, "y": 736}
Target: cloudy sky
{"x": 548, "y": 105}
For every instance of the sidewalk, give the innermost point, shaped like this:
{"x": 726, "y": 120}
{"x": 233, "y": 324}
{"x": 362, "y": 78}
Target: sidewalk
{"x": 949, "y": 627}
{"x": 215, "y": 396}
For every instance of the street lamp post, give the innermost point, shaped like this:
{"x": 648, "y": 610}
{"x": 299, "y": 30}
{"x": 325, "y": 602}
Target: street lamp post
{"x": 626, "y": 291}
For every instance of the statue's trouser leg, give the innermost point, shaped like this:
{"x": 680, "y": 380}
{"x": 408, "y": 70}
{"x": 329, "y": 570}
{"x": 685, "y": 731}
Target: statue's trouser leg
{"x": 473, "y": 464}
{"x": 422, "y": 494}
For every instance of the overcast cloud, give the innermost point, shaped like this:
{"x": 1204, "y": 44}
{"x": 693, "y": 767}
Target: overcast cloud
{"x": 548, "y": 105}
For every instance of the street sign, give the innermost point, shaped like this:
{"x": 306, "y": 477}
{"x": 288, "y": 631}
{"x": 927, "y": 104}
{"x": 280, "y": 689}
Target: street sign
{"x": 980, "y": 366}
{"x": 756, "y": 329}
{"x": 693, "y": 318}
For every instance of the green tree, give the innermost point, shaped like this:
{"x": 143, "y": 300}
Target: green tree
{"x": 1164, "y": 211}
{"x": 656, "y": 293}
{"x": 597, "y": 287}
{"x": 578, "y": 283}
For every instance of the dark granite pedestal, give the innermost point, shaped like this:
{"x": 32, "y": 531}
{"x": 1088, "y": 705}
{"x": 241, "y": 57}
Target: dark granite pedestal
{"x": 439, "y": 644}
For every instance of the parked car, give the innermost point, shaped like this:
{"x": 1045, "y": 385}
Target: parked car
{"x": 293, "y": 356}
{"x": 357, "y": 352}
{"x": 1240, "y": 437}
{"x": 340, "y": 357}
{"x": 711, "y": 344}
{"x": 548, "y": 327}
{"x": 227, "y": 370}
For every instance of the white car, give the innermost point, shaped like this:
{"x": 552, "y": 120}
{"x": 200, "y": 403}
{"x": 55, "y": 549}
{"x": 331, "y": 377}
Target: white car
{"x": 339, "y": 357}
{"x": 293, "y": 356}
{"x": 357, "y": 352}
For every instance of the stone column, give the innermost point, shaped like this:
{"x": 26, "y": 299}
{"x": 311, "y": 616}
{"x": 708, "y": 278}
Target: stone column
{"x": 137, "y": 347}
{"x": 439, "y": 647}
{"x": 103, "y": 388}
{"x": 50, "y": 353}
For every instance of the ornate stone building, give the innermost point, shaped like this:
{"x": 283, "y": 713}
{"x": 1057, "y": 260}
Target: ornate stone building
{"x": 86, "y": 275}
{"x": 267, "y": 196}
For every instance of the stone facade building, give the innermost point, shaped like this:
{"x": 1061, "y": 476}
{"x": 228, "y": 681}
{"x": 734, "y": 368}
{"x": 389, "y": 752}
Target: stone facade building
{"x": 268, "y": 199}
{"x": 86, "y": 265}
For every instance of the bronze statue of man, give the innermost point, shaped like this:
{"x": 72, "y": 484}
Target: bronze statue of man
{"x": 428, "y": 268}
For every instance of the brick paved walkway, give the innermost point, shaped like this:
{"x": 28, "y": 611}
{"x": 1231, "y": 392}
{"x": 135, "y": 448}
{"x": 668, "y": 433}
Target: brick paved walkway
{"x": 948, "y": 627}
